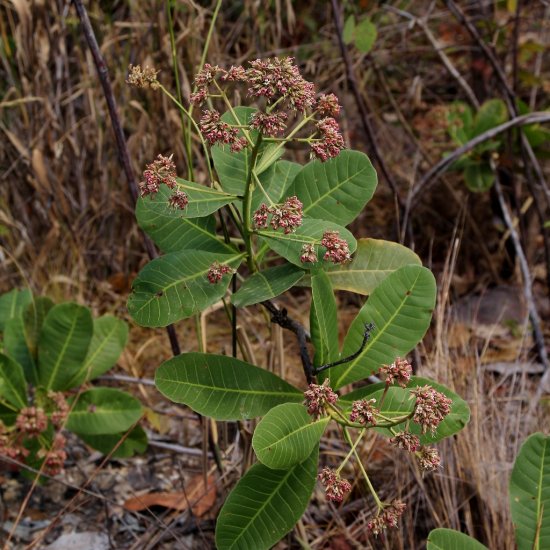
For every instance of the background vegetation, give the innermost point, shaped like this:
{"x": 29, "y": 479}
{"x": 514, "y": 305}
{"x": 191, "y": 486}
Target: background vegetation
{"x": 68, "y": 230}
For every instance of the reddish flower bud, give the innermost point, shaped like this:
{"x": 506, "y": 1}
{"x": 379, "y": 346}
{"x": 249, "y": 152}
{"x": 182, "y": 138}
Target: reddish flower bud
{"x": 407, "y": 441}
{"x": 431, "y": 408}
{"x": 308, "y": 254}
{"x": 178, "y": 199}
{"x": 400, "y": 371}
{"x": 335, "y": 486}
{"x": 337, "y": 248}
{"x": 31, "y": 421}
{"x": 317, "y": 397}
{"x": 428, "y": 458}
{"x": 328, "y": 105}
{"x": 216, "y": 271}
{"x": 364, "y": 412}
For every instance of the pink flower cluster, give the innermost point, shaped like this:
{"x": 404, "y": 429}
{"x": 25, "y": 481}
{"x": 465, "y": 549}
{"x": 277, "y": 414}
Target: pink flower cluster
{"x": 428, "y": 458}
{"x": 317, "y": 396}
{"x": 327, "y": 105}
{"x": 335, "y": 486}
{"x": 308, "y": 254}
{"x": 400, "y": 371}
{"x": 31, "y": 421}
{"x": 216, "y": 271}
{"x": 179, "y": 200}
{"x": 337, "y": 248}
{"x": 216, "y": 130}
{"x": 161, "y": 170}
{"x": 331, "y": 141}
{"x": 275, "y": 78}
{"x": 54, "y": 459}
{"x": 203, "y": 79}
{"x": 387, "y": 518}
{"x": 287, "y": 215}
{"x": 363, "y": 411}
{"x": 431, "y": 408}
{"x": 406, "y": 441}
{"x": 269, "y": 125}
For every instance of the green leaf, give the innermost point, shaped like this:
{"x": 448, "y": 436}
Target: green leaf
{"x": 108, "y": 341}
{"x": 460, "y": 119}
{"x": 398, "y": 402}
{"x": 365, "y": 35}
{"x": 267, "y": 284}
{"x": 275, "y": 183}
{"x": 492, "y": 113}
{"x": 134, "y": 443}
{"x": 12, "y": 305}
{"x": 232, "y": 168}
{"x": 373, "y": 261}
{"x": 202, "y": 200}
{"x": 335, "y": 190}
{"x": 222, "y": 387}
{"x": 449, "y": 539}
{"x": 310, "y": 232}
{"x": 175, "y": 286}
{"x": 530, "y": 493}
{"x": 63, "y": 344}
{"x": 323, "y": 319}
{"x": 15, "y": 346}
{"x": 172, "y": 234}
{"x": 13, "y": 387}
{"x": 7, "y": 414}
{"x": 33, "y": 318}
{"x": 103, "y": 411}
{"x": 286, "y": 435}
{"x": 401, "y": 308}
{"x": 21, "y": 336}
{"x": 265, "y": 505}
{"x": 478, "y": 177}
{"x": 349, "y": 27}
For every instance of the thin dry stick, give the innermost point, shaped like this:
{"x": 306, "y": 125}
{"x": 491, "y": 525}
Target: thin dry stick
{"x": 361, "y": 105}
{"x": 509, "y": 94}
{"x": 121, "y": 147}
{"x": 429, "y": 178}
{"x": 527, "y": 282}
{"x": 124, "y": 157}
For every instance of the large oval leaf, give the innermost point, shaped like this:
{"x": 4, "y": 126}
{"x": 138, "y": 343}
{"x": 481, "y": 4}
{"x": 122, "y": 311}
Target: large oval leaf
{"x": 530, "y": 493}
{"x": 15, "y": 346}
{"x": 275, "y": 182}
{"x": 172, "y": 234}
{"x": 267, "y": 284}
{"x": 12, "y": 305}
{"x": 13, "y": 387}
{"x": 222, "y": 387}
{"x": 265, "y": 505}
{"x": 63, "y": 344}
{"x": 286, "y": 435}
{"x": 202, "y": 200}
{"x": 289, "y": 246}
{"x": 449, "y": 539}
{"x": 175, "y": 286}
{"x": 401, "y": 308}
{"x": 103, "y": 411}
{"x": 323, "y": 319}
{"x": 336, "y": 190}
{"x": 398, "y": 402}
{"x": 372, "y": 262}
{"x": 108, "y": 341}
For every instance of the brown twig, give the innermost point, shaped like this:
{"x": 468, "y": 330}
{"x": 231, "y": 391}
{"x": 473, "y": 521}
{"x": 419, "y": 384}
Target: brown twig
{"x": 428, "y": 179}
{"x": 361, "y": 105}
{"x": 527, "y": 281}
{"x": 281, "y": 318}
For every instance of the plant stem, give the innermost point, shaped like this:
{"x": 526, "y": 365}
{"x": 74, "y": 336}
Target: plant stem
{"x": 351, "y": 451}
{"x": 247, "y": 205}
{"x": 379, "y": 503}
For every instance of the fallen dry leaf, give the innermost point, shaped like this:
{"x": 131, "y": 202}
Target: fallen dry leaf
{"x": 200, "y": 499}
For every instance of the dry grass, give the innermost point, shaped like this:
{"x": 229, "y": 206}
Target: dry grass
{"x": 67, "y": 226}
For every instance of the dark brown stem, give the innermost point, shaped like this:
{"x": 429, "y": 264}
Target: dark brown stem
{"x": 281, "y": 318}
{"x": 361, "y": 105}
{"x": 369, "y": 327}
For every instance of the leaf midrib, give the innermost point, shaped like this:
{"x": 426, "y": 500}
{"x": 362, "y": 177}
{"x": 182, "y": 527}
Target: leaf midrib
{"x": 62, "y": 353}
{"x": 229, "y": 390}
{"x": 378, "y": 334}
